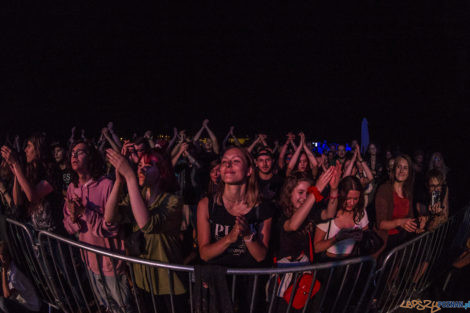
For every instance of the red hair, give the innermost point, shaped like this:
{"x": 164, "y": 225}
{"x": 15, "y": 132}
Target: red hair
{"x": 167, "y": 181}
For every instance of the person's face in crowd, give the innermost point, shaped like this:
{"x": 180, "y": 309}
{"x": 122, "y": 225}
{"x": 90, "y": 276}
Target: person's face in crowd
{"x": 388, "y": 154}
{"x": 264, "y": 164}
{"x": 419, "y": 158}
{"x": 148, "y": 173}
{"x": 79, "y": 157}
{"x": 352, "y": 198}
{"x": 288, "y": 157}
{"x": 139, "y": 150}
{"x": 299, "y": 194}
{"x": 354, "y": 143}
{"x": 58, "y": 154}
{"x": 333, "y": 149}
{"x": 330, "y": 156}
{"x": 372, "y": 149}
{"x": 341, "y": 151}
{"x": 208, "y": 145}
{"x": 303, "y": 163}
{"x": 234, "y": 169}
{"x": 215, "y": 174}
{"x": 402, "y": 170}
{"x": 30, "y": 152}
{"x": 434, "y": 185}
{"x": 437, "y": 160}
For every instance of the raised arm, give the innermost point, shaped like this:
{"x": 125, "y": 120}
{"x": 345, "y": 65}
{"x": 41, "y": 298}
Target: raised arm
{"x": 254, "y": 143}
{"x": 366, "y": 168}
{"x": 215, "y": 144}
{"x": 282, "y": 154}
{"x": 115, "y": 137}
{"x": 295, "y": 157}
{"x": 148, "y": 135}
{"x": 332, "y": 206}
{"x": 182, "y": 148}
{"x": 72, "y": 136}
{"x": 111, "y": 214}
{"x": 172, "y": 140}
{"x": 138, "y": 206}
{"x": 34, "y": 194}
{"x": 224, "y": 142}
{"x": 350, "y": 165}
{"x": 106, "y": 134}
{"x": 199, "y": 133}
{"x": 311, "y": 158}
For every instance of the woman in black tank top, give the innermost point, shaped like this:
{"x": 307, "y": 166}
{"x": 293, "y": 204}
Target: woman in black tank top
{"x": 233, "y": 225}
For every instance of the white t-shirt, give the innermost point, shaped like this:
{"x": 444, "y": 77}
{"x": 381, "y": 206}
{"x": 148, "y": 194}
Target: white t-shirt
{"x": 346, "y": 246}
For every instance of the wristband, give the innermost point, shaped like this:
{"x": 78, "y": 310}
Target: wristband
{"x": 314, "y": 190}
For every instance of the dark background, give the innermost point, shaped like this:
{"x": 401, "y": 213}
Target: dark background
{"x": 265, "y": 67}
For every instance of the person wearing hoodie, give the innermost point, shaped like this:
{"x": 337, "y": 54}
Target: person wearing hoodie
{"x": 84, "y": 215}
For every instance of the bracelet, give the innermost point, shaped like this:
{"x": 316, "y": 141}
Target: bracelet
{"x": 314, "y": 190}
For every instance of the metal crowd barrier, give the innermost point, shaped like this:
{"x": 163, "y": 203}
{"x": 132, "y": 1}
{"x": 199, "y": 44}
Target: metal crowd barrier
{"x": 25, "y": 251}
{"x": 410, "y": 268}
{"x": 62, "y": 278}
{"x": 344, "y": 283}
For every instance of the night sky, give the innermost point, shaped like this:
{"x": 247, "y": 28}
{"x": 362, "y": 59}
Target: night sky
{"x": 404, "y": 65}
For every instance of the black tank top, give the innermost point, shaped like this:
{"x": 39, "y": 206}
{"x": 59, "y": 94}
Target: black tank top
{"x": 222, "y": 222}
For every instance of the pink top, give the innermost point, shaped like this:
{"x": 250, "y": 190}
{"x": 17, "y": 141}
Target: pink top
{"x": 92, "y": 228}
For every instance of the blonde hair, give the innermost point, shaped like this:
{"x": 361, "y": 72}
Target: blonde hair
{"x": 251, "y": 197}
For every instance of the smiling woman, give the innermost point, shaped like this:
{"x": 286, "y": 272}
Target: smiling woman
{"x": 393, "y": 204}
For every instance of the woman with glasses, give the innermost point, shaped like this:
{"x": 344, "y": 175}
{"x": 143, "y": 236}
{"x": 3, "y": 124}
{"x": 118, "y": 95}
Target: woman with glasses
{"x": 84, "y": 210}
{"x": 435, "y": 207}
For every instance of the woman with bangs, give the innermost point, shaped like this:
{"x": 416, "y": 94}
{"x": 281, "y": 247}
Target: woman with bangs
{"x": 234, "y": 225}
{"x": 157, "y": 216}
{"x": 338, "y": 236}
{"x": 35, "y": 185}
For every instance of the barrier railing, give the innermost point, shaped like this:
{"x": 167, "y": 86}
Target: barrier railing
{"x": 25, "y": 252}
{"x": 60, "y": 270}
{"x": 344, "y": 283}
{"x": 409, "y": 269}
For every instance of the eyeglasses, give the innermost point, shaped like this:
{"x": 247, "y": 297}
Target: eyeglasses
{"x": 78, "y": 152}
{"x": 435, "y": 186}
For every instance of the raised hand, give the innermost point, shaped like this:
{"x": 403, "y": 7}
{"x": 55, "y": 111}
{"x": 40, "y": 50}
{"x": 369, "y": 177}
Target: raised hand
{"x": 334, "y": 182}
{"x": 127, "y": 147}
{"x": 120, "y": 163}
{"x": 205, "y": 122}
{"x": 110, "y": 126}
{"x": 148, "y": 134}
{"x": 324, "y": 179}
{"x": 231, "y": 130}
{"x": 9, "y": 156}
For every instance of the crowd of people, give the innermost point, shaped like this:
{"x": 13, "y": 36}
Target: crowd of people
{"x": 195, "y": 200}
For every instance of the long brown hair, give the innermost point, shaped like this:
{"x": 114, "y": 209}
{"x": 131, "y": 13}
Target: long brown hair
{"x": 285, "y": 202}
{"x": 345, "y": 185}
{"x": 252, "y": 196}
{"x": 408, "y": 184}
